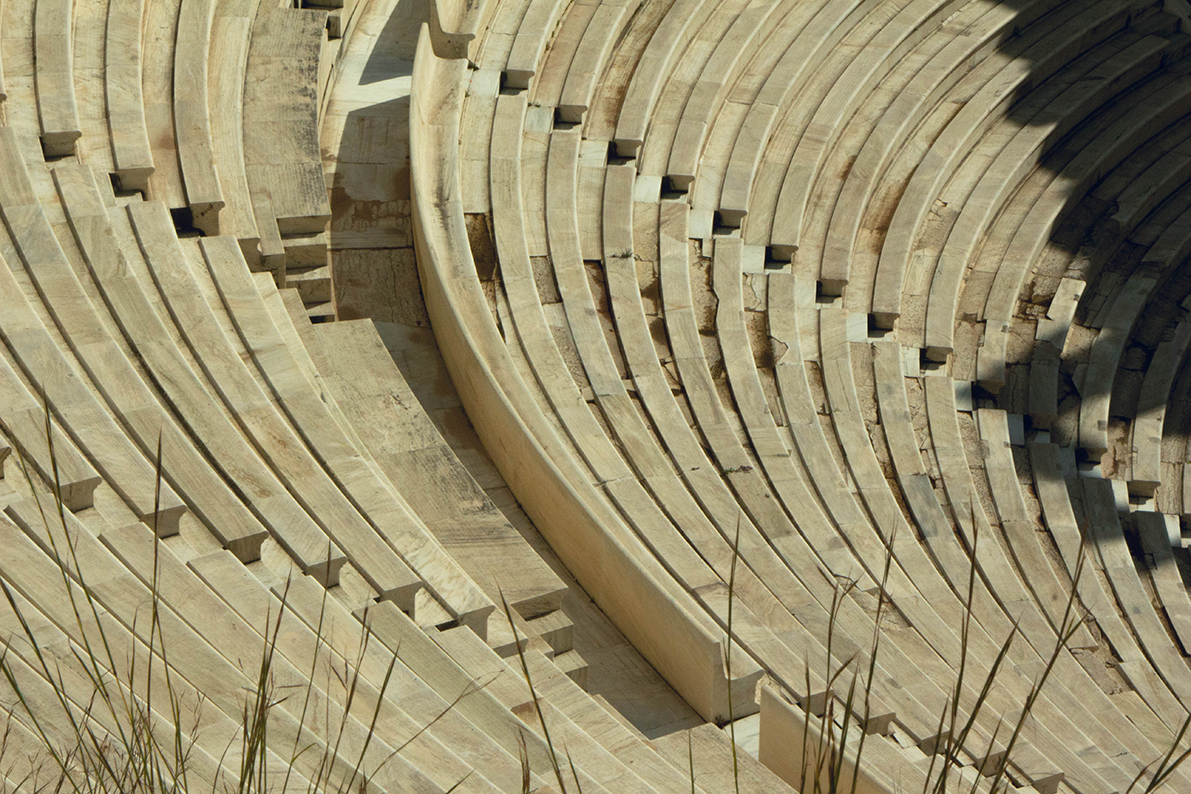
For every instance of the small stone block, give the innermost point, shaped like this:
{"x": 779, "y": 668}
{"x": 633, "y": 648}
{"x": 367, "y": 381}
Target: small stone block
{"x": 1017, "y": 429}
{"x": 1120, "y": 495}
{"x": 857, "y": 327}
{"x": 752, "y": 259}
{"x": 963, "y": 395}
{"x": 701, "y": 223}
{"x": 647, "y": 189}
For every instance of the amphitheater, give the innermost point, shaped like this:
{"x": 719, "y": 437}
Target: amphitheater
{"x": 595, "y": 396}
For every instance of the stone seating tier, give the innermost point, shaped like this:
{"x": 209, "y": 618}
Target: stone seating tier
{"x": 192, "y": 113}
{"x": 53, "y": 62}
{"x": 132, "y": 155}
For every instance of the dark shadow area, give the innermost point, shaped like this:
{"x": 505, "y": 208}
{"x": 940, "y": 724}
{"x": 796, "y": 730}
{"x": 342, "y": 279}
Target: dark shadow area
{"x": 1121, "y": 67}
{"x": 397, "y": 42}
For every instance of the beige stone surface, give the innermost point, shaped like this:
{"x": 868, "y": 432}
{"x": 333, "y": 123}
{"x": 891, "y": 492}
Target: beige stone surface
{"x": 381, "y": 284}
{"x": 760, "y": 329}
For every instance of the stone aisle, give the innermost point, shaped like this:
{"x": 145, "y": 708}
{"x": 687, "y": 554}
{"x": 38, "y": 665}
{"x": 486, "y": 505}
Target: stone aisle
{"x": 365, "y": 142}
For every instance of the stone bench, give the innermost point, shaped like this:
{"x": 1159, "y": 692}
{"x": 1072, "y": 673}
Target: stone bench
{"x": 244, "y": 593}
{"x": 1059, "y": 516}
{"x": 456, "y": 26}
{"x": 570, "y": 35}
{"x": 91, "y": 428}
{"x": 1155, "y": 531}
{"x": 704, "y": 478}
{"x": 132, "y": 155}
{"x": 321, "y": 425}
{"x": 1051, "y": 593}
{"x": 424, "y": 697}
{"x": 747, "y": 32}
{"x": 132, "y": 559}
{"x": 826, "y": 24}
{"x": 199, "y": 669}
{"x": 1147, "y": 432}
{"x": 710, "y": 534}
{"x": 58, "y": 719}
{"x": 1018, "y": 608}
{"x": 1107, "y": 542}
{"x": 231, "y": 30}
{"x": 192, "y": 113}
{"x": 529, "y": 44}
{"x": 591, "y": 59}
{"x": 797, "y": 495}
{"x": 54, "y": 74}
{"x": 282, "y": 159}
{"x": 551, "y": 370}
{"x": 1115, "y": 328}
{"x": 158, "y": 40}
{"x": 42, "y": 444}
{"x": 446, "y": 676}
{"x": 786, "y": 733}
{"x": 653, "y": 68}
{"x": 280, "y": 446}
{"x": 507, "y": 686}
